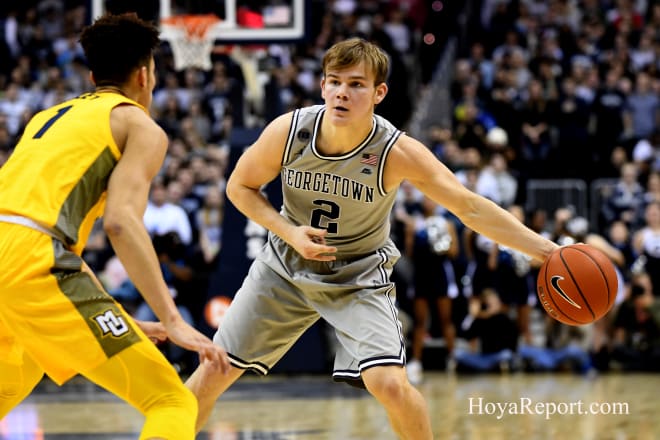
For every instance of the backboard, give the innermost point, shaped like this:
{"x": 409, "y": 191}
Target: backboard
{"x": 241, "y": 21}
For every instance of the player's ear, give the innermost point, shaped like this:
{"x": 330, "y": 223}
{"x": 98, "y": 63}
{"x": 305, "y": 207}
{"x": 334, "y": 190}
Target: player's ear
{"x": 323, "y": 87}
{"x": 381, "y": 92}
{"x": 91, "y": 77}
{"x": 143, "y": 76}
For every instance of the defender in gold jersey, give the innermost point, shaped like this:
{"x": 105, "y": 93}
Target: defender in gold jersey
{"x": 92, "y": 156}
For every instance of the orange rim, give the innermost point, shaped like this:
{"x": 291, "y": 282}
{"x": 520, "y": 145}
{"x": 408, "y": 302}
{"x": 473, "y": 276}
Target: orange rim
{"x": 196, "y": 26}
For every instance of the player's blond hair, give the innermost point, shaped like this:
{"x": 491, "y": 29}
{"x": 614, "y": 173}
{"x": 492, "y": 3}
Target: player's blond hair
{"x": 348, "y": 53}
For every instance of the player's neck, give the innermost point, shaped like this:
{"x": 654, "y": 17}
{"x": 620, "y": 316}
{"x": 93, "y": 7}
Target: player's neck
{"x": 110, "y": 89}
{"x": 338, "y": 139}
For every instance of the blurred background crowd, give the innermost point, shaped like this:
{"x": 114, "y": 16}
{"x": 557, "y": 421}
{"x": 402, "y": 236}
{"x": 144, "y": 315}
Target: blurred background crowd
{"x": 538, "y": 97}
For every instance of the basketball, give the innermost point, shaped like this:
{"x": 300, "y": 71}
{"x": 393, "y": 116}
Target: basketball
{"x": 577, "y": 284}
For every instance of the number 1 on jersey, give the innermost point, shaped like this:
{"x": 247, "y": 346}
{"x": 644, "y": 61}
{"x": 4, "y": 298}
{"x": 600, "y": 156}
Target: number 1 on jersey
{"x": 51, "y": 121}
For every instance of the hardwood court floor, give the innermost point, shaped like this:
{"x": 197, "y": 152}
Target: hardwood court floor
{"x": 315, "y": 408}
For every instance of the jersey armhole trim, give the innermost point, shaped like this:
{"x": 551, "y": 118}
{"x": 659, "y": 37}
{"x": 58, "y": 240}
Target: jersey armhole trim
{"x": 383, "y": 159}
{"x": 286, "y": 156}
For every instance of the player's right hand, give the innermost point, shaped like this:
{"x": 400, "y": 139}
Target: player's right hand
{"x": 310, "y": 243}
{"x": 184, "y": 335}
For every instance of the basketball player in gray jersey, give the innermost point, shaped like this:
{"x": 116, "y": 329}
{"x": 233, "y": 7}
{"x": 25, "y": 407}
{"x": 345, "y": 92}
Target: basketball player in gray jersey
{"x": 329, "y": 254}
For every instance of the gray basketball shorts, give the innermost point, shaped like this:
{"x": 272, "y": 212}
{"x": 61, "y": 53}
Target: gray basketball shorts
{"x": 284, "y": 294}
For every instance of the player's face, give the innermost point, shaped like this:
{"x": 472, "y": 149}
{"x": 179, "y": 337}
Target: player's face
{"x": 350, "y": 94}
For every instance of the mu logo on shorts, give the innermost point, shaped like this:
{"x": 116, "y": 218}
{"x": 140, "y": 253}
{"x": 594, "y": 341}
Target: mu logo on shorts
{"x": 110, "y": 323}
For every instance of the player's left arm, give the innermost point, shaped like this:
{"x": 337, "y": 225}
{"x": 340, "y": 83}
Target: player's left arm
{"x": 411, "y": 160}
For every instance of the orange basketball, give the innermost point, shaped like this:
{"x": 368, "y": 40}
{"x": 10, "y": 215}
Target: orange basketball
{"x": 577, "y": 284}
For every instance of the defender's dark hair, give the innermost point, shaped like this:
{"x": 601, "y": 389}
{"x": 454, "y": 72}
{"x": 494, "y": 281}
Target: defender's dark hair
{"x": 116, "y": 45}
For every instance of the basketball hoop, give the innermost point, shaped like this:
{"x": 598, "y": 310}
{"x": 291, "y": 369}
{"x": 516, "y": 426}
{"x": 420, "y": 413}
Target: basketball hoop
{"x": 190, "y": 39}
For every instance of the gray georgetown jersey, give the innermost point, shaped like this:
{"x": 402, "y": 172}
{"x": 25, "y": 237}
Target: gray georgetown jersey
{"x": 343, "y": 194}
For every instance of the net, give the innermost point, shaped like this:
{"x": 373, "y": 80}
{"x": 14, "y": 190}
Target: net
{"x": 190, "y": 39}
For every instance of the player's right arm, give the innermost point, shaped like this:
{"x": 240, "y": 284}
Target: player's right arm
{"x": 144, "y": 145}
{"x": 259, "y": 165}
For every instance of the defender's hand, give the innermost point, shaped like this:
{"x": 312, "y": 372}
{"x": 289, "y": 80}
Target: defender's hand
{"x": 154, "y": 330}
{"x": 184, "y": 335}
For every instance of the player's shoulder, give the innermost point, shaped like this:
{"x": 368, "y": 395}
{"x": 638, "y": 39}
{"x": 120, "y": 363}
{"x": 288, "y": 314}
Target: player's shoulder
{"x": 127, "y": 120}
{"x": 135, "y": 117}
{"x": 406, "y": 145}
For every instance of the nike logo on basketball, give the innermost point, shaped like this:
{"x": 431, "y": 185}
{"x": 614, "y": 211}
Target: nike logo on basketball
{"x": 555, "y": 283}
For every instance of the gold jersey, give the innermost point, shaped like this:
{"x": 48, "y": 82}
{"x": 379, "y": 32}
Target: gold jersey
{"x": 58, "y": 174}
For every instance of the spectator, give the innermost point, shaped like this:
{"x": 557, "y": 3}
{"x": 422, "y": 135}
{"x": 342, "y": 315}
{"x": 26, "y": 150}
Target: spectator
{"x": 505, "y": 189}
{"x": 567, "y": 348}
{"x": 513, "y": 281}
{"x": 646, "y": 154}
{"x": 504, "y": 105}
{"x": 190, "y": 199}
{"x": 14, "y": 107}
{"x": 578, "y": 231}
{"x": 626, "y": 200}
{"x": 431, "y": 243}
{"x": 162, "y": 216}
{"x": 652, "y": 193}
{"x": 7, "y": 141}
{"x": 478, "y": 274}
{"x": 619, "y": 236}
{"x": 636, "y": 344}
{"x": 646, "y": 243}
{"x": 200, "y": 121}
{"x": 642, "y": 110}
{"x": 169, "y": 117}
{"x": 572, "y": 119}
{"x": 209, "y": 220}
{"x": 536, "y": 118}
{"x": 482, "y": 65}
{"x": 223, "y": 96}
{"x": 612, "y": 167}
{"x": 492, "y": 334}
{"x": 470, "y": 128}
{"x": 609, "y": 105}
{"x": 510, "y": 45}
{"x": 398, "y": 30}
{"x": 171, "y": 90}
{"x": 644, "y": 56}
{"x": 397, "y": 105}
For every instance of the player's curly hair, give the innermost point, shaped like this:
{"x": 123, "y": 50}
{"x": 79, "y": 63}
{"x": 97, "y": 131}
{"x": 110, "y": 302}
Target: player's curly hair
{"x": 116, "y": 45}
{"x": 352, "y": 51}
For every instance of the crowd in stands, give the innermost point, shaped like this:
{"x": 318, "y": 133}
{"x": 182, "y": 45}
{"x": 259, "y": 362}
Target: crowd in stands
{"x": 552, "y": 88}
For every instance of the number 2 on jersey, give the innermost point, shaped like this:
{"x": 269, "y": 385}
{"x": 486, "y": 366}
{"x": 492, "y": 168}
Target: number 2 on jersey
{"x": 51, "y": 121}
{"x": 331, "y": 214}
